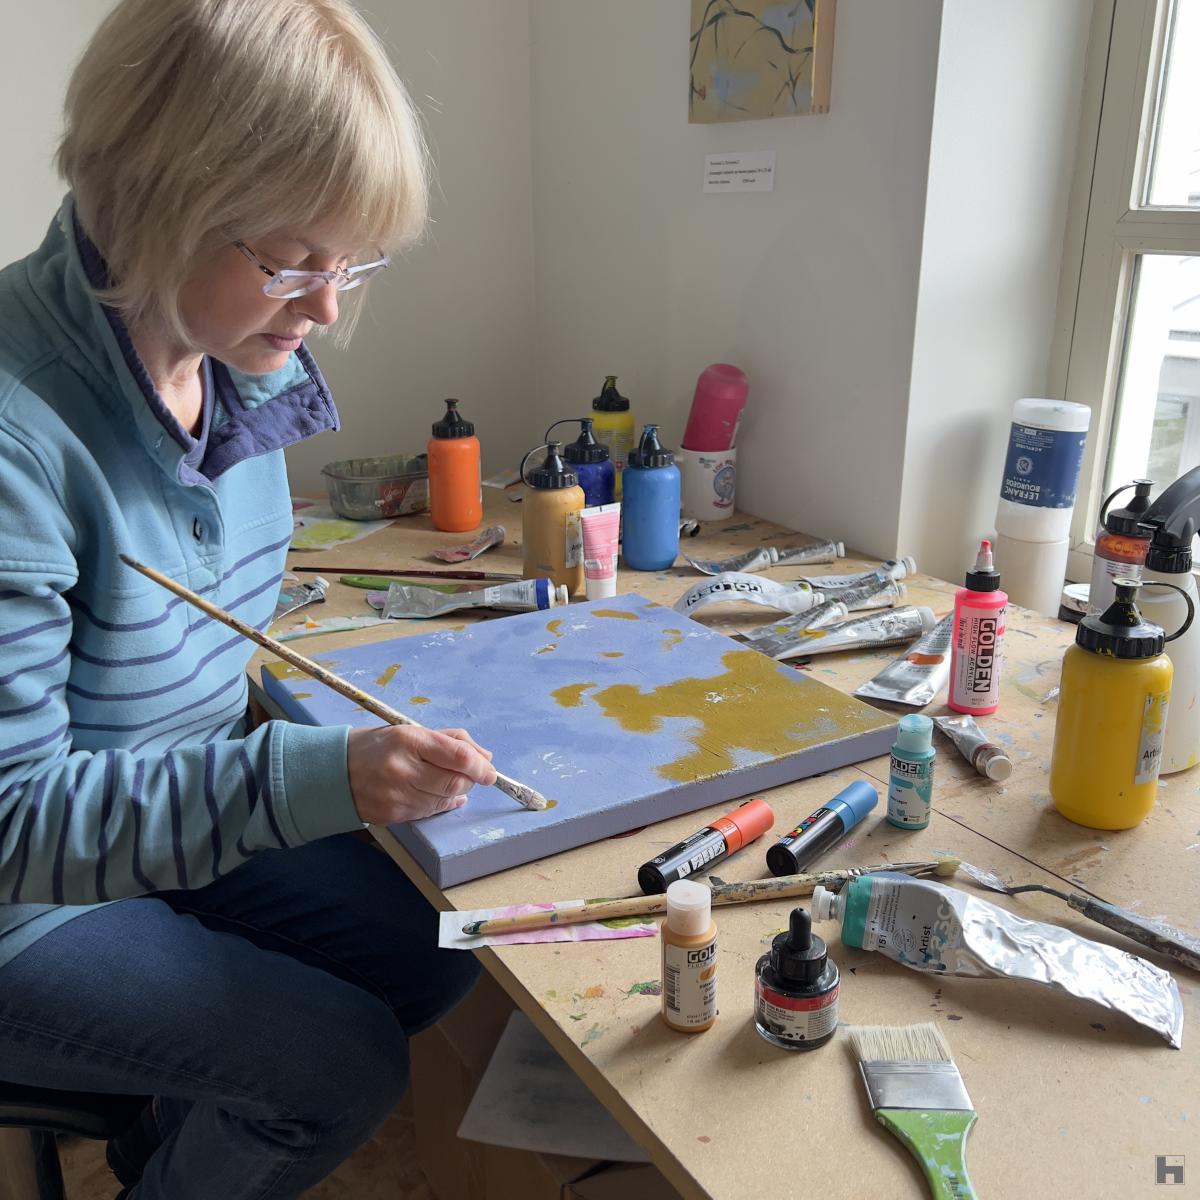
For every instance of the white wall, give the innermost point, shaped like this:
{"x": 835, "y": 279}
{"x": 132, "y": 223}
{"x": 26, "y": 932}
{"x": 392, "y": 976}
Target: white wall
{"x": 1005, "y": 120}
{"x": 811, "y": 289}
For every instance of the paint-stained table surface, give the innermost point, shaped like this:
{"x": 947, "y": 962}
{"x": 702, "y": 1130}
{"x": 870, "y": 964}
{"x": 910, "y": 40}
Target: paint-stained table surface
{"x": 1073, "y": 1100}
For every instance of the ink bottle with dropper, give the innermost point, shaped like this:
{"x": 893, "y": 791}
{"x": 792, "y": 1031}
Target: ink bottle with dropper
{"x": 796, "y": 989}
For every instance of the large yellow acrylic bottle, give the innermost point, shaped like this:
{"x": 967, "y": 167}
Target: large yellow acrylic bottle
{"x": 550, "y": 530}
{"x": 612, "y": 423}
{"x": 1112, "y": 715}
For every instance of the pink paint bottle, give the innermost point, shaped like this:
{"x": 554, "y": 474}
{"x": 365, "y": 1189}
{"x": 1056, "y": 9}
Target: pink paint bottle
{"x": 976, "y": 653}
{"x": 716, "y": 410}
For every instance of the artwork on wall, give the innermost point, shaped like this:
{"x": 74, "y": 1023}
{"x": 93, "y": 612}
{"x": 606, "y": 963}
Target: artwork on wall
{"x": 759, "y": 58}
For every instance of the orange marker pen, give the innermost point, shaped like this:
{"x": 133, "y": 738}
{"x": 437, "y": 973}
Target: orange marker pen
{"x": 723, "y": 837}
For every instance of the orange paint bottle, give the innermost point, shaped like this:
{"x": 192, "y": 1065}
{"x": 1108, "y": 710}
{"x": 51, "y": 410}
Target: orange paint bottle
{"x": 689, "y": 958}
{"x": 455, "y": 475}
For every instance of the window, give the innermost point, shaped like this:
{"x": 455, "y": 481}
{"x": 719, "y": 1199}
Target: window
{"x": 1132, "y": 323}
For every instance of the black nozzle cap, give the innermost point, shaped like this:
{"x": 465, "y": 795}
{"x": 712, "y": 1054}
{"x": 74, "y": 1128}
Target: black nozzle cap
{"x": 452, "y": 425}
{"x": 799, "y": 955}
{"x": 1120, "y": 631}
{"x": 1128, "y": 520}
{"x": 1170, "y": 553}
{"x": 585, "y": 448}
{"x": 610, "y": 400}
{"x": 650, "y": 453}
{"x": 552, "y": 474}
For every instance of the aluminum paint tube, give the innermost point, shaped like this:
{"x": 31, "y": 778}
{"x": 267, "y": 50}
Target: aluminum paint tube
{"x": 876, "y": 629}
{"x": 408, "y": 601}
{"x": 768, "y": 556}
{"x": 919, "y": 674}
{"x": 872, "y": 593}
{"x": 894, "y": 568}
{"x": 493, "y": 535}
{"x": 824, "y": 614}
{"x": 972, "y": 743}
{"x": 733, "y": 586}
{"x": 293, "y": 595}
{"x": 818, "y": 552}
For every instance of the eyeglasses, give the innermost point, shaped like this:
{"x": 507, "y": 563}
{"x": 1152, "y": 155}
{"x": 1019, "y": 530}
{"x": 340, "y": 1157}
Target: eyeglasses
{"x": 287, "y": 284}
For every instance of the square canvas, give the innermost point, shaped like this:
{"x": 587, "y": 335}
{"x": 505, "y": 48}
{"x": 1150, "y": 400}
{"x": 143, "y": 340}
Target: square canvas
{"x": 620, "y": 712}
{"x": 759, "y": 58}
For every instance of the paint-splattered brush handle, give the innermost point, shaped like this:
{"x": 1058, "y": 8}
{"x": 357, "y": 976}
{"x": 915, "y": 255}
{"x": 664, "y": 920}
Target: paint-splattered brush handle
{"x": 937, "y": 1139}
{"x": 521, "y": 793}
{"x": 1157, "y": 935}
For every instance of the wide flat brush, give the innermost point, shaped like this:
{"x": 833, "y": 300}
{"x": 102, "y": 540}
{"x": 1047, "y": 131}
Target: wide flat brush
{"x": 917, "y": 1093}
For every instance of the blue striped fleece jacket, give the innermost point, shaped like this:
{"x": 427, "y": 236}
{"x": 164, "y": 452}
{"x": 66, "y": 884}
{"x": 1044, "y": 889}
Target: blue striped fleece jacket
{"x": 123, "y": 765}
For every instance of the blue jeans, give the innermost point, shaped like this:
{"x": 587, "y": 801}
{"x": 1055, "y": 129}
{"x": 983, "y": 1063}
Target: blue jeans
{"x": 268, "y": 1014}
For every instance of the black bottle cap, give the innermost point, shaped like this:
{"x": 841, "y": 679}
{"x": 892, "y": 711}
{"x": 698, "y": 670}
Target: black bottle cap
{"x": 610, "y": 400}
{"x": 452, "y": 425}
{"x": 983, "y": 577}
{"x": 1170, "y": 553}
{"x": 799, "y": 955}
{"x": 585, "y": 448}
{"x": 649, "y": 452}
{"x": 1120, "y": 631}
{"x": 552, "y": 474}
{"x": 1128, "y": 520}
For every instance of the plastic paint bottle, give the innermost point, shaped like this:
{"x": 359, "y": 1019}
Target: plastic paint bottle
{"x": 650, "y": 530}
{"x": 1121, "y": 544}
{"x": 689, "y": 958}
{"x": 977, "y": 651}
{"x": 796, "y": 989}
{"x": 614, "y": 426}
{"x": 550, "y": 521}
{"x": 910, "y": 778}
{"x": 455, "y": 478}
{"x": 822, "y": 829}
{"x": 592, "y": 463}
{"x": 725, "y": 836}
{"x": 1112, "y": 714}
{"x": 716, "y": 408}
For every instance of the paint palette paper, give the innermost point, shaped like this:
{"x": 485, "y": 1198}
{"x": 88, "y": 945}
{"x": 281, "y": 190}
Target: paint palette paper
{"x": 619, "y": 711}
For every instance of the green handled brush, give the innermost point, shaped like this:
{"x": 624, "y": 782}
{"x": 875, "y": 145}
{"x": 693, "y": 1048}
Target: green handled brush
{"x": 917, "y": 1092}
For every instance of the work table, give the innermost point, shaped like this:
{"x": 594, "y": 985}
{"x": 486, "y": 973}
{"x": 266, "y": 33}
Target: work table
{"x": 1073, "y": 1099}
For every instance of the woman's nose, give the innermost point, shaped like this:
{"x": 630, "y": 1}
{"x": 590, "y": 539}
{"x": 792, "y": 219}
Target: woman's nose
{"x": 321, "y": 306}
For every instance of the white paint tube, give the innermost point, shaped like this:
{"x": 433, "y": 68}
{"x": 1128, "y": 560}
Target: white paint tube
{"x": 919, "y": 674}
{"x": 818, "y": 552}
{"x": 874, "y": 629}
{"x": 972, "y": 743}
{"x": 768, "y": 556}
{"x": 894, "y": 568}
{"x": 409, "y": 601}
{"x": 816, "y": 618}
{"x": 731, "y": 586}
{"x": 871, "y": 593}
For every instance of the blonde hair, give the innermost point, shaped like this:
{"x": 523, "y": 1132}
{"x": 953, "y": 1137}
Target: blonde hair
{"x": 194, "y": 123}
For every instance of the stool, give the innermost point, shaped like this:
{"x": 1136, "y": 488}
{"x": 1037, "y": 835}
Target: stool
{"x": 31, "y": 1117}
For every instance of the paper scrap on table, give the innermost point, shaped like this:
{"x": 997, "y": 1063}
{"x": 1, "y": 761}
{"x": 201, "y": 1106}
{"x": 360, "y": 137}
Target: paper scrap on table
{"x": 329, "y": 625}
{"x": 451, "y": 936}
{"x": 529, "y": 1099}
{"x": 318, "y": 527}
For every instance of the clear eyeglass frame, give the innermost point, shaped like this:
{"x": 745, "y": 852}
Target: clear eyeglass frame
{"x": 287, "y": 284}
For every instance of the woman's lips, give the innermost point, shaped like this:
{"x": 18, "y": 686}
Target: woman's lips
{"x": 282, "y": 343}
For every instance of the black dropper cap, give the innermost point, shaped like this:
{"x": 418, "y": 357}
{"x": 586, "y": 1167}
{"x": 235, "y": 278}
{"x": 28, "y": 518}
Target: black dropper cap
{"x": 649, "y": 452}
{"x": 1173, "y": 518}
{"x": 1129, "y": 520}
{"x": 1120, "y": 631}
{"x": 610, "y": 400}
{"x": 452, "y": 425}
{"x": 799, "y": 955}
{"x": 585, "y": 448}
{"x": 983, "y": 577}
{"x": 552, "y": 474}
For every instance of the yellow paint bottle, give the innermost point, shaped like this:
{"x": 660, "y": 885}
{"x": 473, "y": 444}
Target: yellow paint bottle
{"x": 1112, "y": 714}
{"x": 689, "y": 958}
{"x": 550, "y": 529}
{"x": 612, "y": 423}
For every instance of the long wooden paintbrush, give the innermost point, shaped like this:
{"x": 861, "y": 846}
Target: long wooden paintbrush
{"x": 571, "y": 912}
{"x": 520, "y": 792}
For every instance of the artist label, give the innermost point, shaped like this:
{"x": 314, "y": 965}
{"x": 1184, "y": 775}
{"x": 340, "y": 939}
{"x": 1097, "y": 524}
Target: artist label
{"x": 573, "y": 547}
{"x": 690, "y": 983}
{"x": 975, "y": 668}
{"x": 1042, "y": 469}
{"x": 795, "y": 1018}
{"x": 910, "y": 791}
{"x": 1150, "y": 743}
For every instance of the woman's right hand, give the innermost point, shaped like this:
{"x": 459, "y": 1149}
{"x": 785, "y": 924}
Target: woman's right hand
{"x": 405, "y": 772}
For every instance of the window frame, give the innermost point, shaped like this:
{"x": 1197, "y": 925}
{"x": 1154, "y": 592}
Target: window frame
{"x": 1106, "y": 230}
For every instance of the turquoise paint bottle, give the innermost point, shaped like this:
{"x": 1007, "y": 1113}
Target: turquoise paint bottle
{"x": 910, "y": 779}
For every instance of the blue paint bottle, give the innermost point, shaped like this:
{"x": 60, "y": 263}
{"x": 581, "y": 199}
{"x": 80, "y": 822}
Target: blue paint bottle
{"x": 590, "y": 460}
{"x": 910, "y": 779}
{"x": 650, "y": 512}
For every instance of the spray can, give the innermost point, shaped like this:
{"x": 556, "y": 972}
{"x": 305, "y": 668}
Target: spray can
{"x": 976, "y": 653}
{"x": 614, "y": 426}
{"x": 689, "y": 958}
{"x": 1121, "y": 544}
{"x": 1173, "y": 517}
{"x": 650, "y": 532}
{"x": 591, "y": 462}
{"x": 455, "y": 479}
{"x": 910, "y": 778}
{"x": 550, "y": 528}
{"x": 1112, "y": 714}
{"x": 796, "y": 988}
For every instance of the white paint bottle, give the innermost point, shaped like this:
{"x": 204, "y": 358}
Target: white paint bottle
{"x": 689, "y": 958}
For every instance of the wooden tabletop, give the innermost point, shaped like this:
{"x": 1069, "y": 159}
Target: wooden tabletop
{"x": 1073, "y": 1100}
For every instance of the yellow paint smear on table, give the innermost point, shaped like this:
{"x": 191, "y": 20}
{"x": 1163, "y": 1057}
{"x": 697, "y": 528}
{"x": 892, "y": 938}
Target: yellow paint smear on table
{"x": 555, "y": 626}
{"x": 570, "y": 696}
{"x": 388, "y": 675}
{"x": 612, "y": 653}
{"x": 752, "y": 707}
{"x": 418, "y": 699}
{"x": 616, "y": 612}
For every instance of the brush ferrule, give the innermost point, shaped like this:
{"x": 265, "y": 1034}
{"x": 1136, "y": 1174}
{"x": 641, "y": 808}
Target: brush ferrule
{"x": 909, "y": 1084}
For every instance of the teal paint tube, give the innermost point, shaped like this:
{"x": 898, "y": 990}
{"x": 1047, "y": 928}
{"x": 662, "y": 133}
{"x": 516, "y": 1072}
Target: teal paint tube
{"x": 910, "y": 778}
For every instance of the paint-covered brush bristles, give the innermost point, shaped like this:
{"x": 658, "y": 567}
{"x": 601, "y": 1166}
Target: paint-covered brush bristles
{"x": 947, "y": 865}
{"x": 916, "y": 1092}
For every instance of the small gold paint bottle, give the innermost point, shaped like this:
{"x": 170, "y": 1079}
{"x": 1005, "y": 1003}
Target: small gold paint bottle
{"x": 689, "y": 958}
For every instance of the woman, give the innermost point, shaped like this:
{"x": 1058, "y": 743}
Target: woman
{"x": 185, "y": 914}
